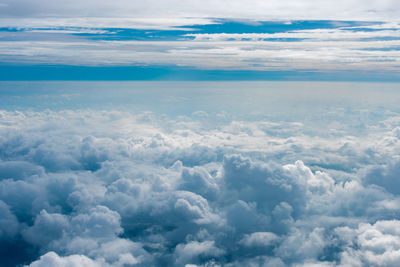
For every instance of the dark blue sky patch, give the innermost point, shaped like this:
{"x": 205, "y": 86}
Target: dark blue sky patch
{"x": 227, "y": 26}
{"x": 174, "y": 73}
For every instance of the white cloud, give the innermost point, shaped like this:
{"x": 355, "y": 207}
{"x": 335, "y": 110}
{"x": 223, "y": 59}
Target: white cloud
{"x": 163, "y": 23}
{"x": 379, "y": 244}
{"x": 148, "y": 190}
{"x": 259, "y": 239}
{"x": 254, "y": 9}
{"x": 313, "y": 54}
{"x": 189, "y": 253}
{"x": 52, "y": 259}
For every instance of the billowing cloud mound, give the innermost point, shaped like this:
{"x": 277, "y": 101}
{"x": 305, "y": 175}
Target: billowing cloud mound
{"x": 108, "y": 188}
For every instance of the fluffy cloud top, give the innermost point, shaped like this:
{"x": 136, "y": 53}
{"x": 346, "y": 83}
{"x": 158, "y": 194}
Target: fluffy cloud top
{"x": 112, "y": 188}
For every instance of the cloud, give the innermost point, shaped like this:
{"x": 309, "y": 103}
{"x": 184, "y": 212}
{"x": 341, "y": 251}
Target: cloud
{"x": 387, "y": 176}
{"x": 8, "y": 222}
{"x": 378, "y": 244}
{"x": 113, "y": 188}
{"x": 200, "y": 181}
{"x": 19, "y": 169}
{"x": 52, "y": 259}
{"x": 366, "y": 40}
{"x": 196, "y": 251}
{"x": 292, "y": 9}
{"x": 317, "y": 50}
{"x": 259, "y": 239}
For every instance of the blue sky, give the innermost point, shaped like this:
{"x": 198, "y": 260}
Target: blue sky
{"x": 295, "y": 40}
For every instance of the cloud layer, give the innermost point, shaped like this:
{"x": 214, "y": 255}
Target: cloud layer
{"x": 363, "y": 35}
{"x": 327, "y": 46}
{"x": 254, "y": 9}
{"x": 112, "y": 188}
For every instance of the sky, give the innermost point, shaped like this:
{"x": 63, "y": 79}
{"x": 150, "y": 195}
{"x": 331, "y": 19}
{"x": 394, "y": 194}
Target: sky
{"x": 200, "y": 40}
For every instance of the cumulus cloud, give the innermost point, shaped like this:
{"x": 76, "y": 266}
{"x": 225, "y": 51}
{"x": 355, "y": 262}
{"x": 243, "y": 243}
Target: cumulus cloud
{"x": 113, "y": 188}
{"x": 261, "y": 239}
{"x": 378, "y": 244}
{"x": 8, "y": 222}
{"x": 386, "y": 176}
{"x": 52, "y": 259}
{"x": 196, "y": 251}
